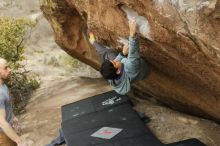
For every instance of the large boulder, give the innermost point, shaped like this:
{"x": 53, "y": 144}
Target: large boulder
{"x": 180, "y": 40}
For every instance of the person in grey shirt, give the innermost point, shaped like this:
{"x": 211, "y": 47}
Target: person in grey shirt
{"x": 8, "y": 121}
{"x": 125, "y": 68}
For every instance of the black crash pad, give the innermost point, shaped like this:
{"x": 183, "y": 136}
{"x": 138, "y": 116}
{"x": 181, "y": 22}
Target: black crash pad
{"x": 119, "y": 113}
{"x": 132, "y": 129}
{"x": 93, "y": 104}
{"x": 143, "y": 140}
{"x": 81, "y": 119}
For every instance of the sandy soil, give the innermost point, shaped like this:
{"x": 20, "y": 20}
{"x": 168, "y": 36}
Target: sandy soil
{"x": 62, "y": 85}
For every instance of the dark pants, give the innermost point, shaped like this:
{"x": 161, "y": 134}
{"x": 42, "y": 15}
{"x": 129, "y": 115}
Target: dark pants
{"x": 105, "y": 53}
{"x": 59, "y": 140}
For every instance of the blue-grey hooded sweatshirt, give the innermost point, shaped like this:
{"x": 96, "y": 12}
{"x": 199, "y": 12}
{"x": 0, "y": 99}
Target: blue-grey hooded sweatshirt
{"x": 134, "y": 68}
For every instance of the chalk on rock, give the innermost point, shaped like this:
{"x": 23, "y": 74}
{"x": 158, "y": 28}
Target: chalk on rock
{"x": 143, "y": 26}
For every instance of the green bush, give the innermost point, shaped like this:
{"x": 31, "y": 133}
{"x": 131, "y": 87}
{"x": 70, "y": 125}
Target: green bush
{"x": 70, "y": 61}
{"x": 21, "y": 82}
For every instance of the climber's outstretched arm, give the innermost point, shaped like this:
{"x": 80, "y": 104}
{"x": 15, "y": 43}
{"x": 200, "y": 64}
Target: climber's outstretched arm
{"x": 133, "y": 60}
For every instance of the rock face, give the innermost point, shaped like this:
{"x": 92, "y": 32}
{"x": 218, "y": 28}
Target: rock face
{"x": 179, "y": 39}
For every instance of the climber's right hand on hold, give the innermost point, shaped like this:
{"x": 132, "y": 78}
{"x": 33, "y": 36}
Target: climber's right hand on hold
{"x": 132, "y": 27}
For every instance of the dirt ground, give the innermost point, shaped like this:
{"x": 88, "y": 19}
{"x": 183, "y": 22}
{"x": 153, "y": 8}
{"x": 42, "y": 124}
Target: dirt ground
{"x": 60, "y": 85}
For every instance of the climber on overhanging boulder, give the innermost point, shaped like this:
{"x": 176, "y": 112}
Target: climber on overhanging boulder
{"x": 123, "y": 69}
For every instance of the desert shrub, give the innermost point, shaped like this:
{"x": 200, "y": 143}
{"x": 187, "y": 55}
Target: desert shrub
{"x": 52, "y": 61}
{"x": 21, "y": 83}
{"x": 70, "y": 61}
